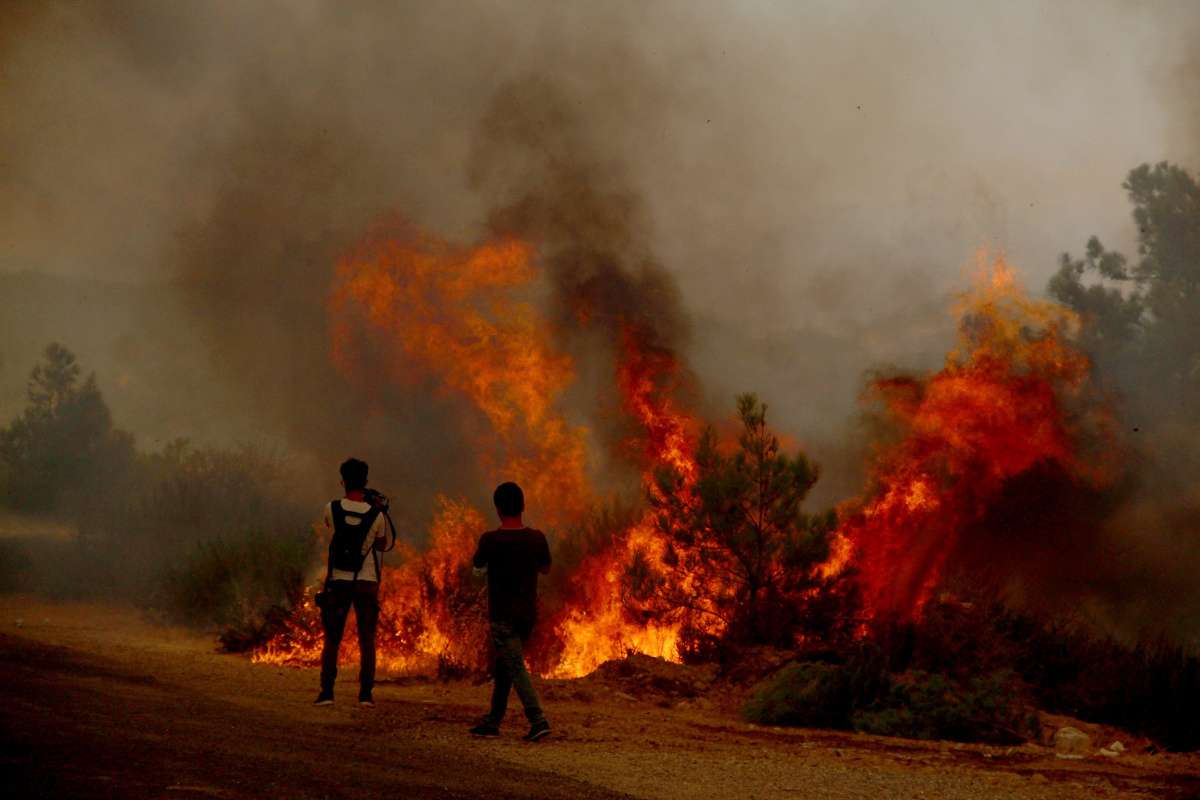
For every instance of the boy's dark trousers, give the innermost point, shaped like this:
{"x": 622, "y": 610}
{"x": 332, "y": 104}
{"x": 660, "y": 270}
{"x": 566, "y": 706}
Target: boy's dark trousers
{"x": 510, "y": 672}
{"x": 364, "y": 596}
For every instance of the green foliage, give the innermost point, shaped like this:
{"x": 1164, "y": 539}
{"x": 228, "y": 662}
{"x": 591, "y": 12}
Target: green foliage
{"x": 805, "y": 694}
{"x": 184, "y": 501}
{"x": 1114, "y": 317}
{"x": 861, "y": 695}
{"x": 1151, "y": 687}
{"x": 741, "y": 547}
{"x": 933, "y": 706}
{"x": 1142, "y": 321}
{"x": 64, "y": 442}
{"x": 183, "y": 494}
{"x": 164, "y": 526}
{"x": 240, "y": 584}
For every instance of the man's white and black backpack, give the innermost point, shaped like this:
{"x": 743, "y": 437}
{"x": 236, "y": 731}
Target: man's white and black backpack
{"x": 350, "y": 532}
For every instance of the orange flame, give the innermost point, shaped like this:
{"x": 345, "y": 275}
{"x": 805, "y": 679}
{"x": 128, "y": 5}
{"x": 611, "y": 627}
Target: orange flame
{"x": 997, "y": 408}
{"x": 454, "y": 313}
{"x": 424, "y": 308}
{"x": 600, "y": 623}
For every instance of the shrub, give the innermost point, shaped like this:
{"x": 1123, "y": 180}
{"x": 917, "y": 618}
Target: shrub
{"x": 805, "y": 694}
{"x": 241, "y": 585}
{"x": 14, "y": 561}
{"x": 135, "y": 513}
{"x": 819, "y": 694}
{"x": 933, "y": 706}
{"x": 1151, "y": 687}
{"x": 861, "y": 694}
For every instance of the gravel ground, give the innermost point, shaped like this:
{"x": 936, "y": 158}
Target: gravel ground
{"x": 99, "y": 703}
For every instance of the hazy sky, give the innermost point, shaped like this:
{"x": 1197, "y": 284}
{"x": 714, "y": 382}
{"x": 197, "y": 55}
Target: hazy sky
{"x": 816, "y": 175}
{"x": 776, "y": 143}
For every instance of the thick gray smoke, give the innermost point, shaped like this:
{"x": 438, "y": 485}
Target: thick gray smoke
{"x": 786, "y": 195}
{"x": 547, "y": 180}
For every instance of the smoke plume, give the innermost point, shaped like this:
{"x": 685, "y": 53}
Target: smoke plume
{"x": 780, "y": 198}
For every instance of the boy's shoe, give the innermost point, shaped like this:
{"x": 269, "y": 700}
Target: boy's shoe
{"x": 365, "y": 700}
{"x": 539, "y": 731}
{"x": 485, "y": 729}
{"x": 325, "y": 698}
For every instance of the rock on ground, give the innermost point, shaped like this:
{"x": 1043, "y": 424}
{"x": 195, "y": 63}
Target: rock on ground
{"x": 1072, "y": 743}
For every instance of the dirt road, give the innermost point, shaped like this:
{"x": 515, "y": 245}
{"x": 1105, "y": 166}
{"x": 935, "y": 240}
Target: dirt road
{"x": 95, "y": 702}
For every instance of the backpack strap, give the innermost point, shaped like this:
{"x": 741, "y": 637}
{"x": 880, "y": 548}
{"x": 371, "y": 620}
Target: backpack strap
{"x": 335, "y": 508}
{"x": 368, "y": 520}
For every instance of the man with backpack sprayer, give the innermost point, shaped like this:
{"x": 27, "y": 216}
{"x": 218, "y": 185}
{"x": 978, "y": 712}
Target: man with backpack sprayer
{"x": 357, "y": 524}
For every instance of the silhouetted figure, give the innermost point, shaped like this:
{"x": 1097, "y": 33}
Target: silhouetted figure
{"x": 358, "y": 535}
{"x": 513, "y": 555}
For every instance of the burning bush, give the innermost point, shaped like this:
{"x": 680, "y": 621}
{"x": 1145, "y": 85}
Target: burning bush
{"x": 739, "y": 548}
{"x": 1010, "y": 401}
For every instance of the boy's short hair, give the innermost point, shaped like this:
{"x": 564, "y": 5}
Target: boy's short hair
{"x": 354, "y": 474}
{"x": 509, "y": 499}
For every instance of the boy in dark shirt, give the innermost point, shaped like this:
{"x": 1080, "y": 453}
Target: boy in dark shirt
{"x": 513, "y": 555}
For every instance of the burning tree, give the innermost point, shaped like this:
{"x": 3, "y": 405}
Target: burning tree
{"x": 739, "y": 546}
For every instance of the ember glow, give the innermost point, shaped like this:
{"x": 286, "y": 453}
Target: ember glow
{"x": 420, "y": 308}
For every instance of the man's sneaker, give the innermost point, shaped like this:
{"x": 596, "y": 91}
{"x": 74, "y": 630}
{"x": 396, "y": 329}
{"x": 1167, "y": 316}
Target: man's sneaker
{"x": 364, "y": 699}
{"x": 539, "y": 731}
{"x": 325, "y": 698}
{"x": 485, "y": 729}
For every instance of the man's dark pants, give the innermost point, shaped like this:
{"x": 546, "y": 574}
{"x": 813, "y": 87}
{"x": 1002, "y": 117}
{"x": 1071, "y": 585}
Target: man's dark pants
{"x": 510, "y": 672}
{"x": 364, "y": 596}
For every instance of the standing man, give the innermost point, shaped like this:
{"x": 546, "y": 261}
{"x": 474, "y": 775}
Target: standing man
{"x": 512, "y": 555}
{"x": 358, "y": 536}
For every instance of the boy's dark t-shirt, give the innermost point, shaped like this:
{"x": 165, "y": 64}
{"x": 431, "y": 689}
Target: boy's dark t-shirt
{"x": 513, "y": 557}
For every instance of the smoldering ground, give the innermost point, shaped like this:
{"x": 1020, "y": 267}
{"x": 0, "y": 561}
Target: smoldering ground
{"x": 795, "y": 190}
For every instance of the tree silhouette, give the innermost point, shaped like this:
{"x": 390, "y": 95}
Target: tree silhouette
{"x": 1142, "y": 319}
{"x": 62, "y": 440}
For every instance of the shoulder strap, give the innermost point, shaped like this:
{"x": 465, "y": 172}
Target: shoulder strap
{"x": 368, "y": 522}
{"x": 334, "y": 509}
{"x": 376, "y": 554}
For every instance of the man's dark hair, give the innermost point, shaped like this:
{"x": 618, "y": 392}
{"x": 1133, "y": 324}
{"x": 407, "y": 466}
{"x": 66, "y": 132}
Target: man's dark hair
{"x": 354, "y": 474}
{"x": 509, "y": 499}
